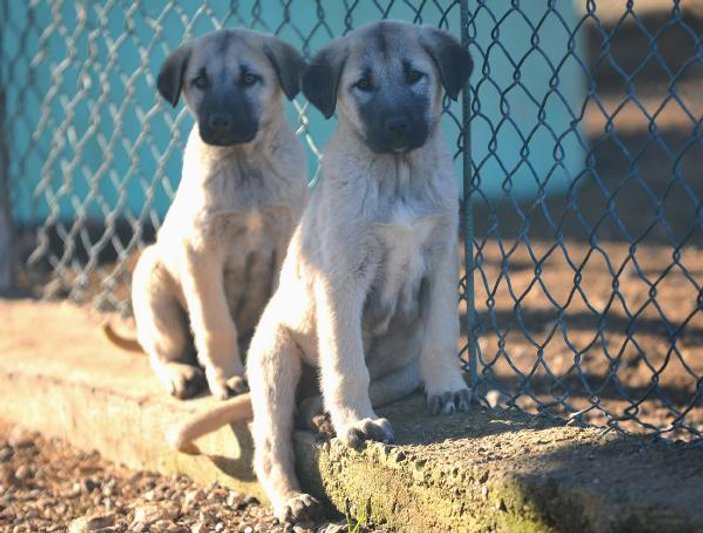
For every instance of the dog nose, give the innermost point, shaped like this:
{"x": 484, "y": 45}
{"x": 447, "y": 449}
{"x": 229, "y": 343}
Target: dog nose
{"x": 219, "y": 122}
{"x": 397, "y": 126}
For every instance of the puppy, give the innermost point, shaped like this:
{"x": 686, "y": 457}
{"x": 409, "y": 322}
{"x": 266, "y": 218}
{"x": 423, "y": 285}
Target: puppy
{"x": 368, "y": 292}
{"x": 201, "y": 287}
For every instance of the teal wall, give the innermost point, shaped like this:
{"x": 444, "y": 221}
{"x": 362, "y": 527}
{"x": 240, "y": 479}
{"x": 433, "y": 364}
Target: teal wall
{"x": 89, "y": 137}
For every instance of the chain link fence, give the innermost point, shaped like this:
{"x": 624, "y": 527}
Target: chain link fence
{"x": 578, "y": 145}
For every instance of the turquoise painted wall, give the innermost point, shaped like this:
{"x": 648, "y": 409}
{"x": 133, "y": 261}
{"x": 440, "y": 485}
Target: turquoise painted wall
{"x": 90, "y": 138}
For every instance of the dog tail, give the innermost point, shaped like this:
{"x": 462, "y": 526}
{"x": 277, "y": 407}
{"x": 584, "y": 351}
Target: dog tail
{"x": 181, "y": 437}
{"x": 131, "y": 345}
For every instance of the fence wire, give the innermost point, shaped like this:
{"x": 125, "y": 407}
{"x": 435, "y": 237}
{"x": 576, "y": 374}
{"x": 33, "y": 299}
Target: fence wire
{"x": 578, "y": 144}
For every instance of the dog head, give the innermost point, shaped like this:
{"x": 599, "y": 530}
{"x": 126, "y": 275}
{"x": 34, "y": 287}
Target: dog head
{"x": 230, "y": 80}
{"x": 386, "y": 80}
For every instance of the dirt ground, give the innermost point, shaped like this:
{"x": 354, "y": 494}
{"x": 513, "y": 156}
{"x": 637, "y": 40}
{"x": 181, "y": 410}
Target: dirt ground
{"x": 593, "y": 298}
{"x": 47, "y": 485}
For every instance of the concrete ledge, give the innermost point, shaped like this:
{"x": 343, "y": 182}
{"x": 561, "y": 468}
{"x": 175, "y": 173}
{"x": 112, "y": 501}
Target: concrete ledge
{"x": 61, "y": 377}
{"x": 482, "y": 471}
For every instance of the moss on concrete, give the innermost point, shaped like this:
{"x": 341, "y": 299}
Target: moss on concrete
{"x": 497, "y": 471}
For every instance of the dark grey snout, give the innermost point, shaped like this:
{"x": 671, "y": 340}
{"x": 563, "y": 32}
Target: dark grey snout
{"x": 397, "y": 127}
{"x": 398, "y": 136}
{"x": 226, "y": 119}
{"x": 220, "y": 122}
{"x": 394, "y": 130}
{"x": 395, "y": 118}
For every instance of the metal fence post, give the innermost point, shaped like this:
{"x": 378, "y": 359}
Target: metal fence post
{"x": 6, "y": 231}
{"x": 468, "y": 210}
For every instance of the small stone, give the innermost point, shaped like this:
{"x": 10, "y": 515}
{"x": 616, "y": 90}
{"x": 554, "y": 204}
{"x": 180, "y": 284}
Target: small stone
{"x": 6, "y": 453}
{"x": 197, "y": 527}
{"x": 191, "y": 498}
{"x": 149, "y": 495}
{"x": 6, "y": 500}
{"x": 23, "y": 473}
{"x": 219, "y": 527}
{"x": 166, "y": 526}
{"x": 151, "y": 513}
{"x": 91, "y": 523}
{"x": 108, "y": 491}
{"x": 7, "y": 475}
{"x": 248, "y": 529}
{"x": 89, "y": 485}
{"x": 232, "y": 498}
{"x": 137, "y": 527}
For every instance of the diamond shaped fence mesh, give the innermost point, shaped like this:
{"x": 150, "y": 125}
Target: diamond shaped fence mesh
{"x": 577, "y": 144}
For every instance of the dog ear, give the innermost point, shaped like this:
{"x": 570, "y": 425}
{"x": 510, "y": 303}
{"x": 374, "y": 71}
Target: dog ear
{"x": 287, "y": 63}
{"x": 321, "y": 78}
{"x": 170, "y": 80}
{"x": 452, "y": 59}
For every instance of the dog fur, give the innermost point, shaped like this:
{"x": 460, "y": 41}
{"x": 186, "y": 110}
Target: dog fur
{"x": 366, "y": 310}
{"x": 368, "y": 292}
{"x": 199, "y": 290}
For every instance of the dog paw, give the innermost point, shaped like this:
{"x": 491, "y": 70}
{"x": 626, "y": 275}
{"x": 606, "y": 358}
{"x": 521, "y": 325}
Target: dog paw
{"x": 237, "y": 385}
{"x": 449, "y": 403}
{"x": 302, "y": 509}
{"x": 354, "y": 434}
{"x": 225, "y": 389}
{"x": 186, "y": 381}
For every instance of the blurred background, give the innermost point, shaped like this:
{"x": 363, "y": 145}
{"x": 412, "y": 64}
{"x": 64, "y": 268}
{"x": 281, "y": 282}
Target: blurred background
{"x": 578, "y": 153}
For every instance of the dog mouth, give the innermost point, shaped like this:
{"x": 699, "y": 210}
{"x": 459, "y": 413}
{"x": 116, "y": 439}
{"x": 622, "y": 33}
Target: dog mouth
{"x": 231, "y": 138}
{"x": 396, "y": 147}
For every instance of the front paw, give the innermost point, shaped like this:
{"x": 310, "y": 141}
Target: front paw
{"x": 355, "y": 433}
{"x": 300, "y": 509}
{"x": 448, "y": 403}
{"x": 227, "y": 388}
{"x": 183, "y": 381}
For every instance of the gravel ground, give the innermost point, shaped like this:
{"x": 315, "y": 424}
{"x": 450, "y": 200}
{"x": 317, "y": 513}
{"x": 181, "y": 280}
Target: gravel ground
{"x": 47, "y": 485}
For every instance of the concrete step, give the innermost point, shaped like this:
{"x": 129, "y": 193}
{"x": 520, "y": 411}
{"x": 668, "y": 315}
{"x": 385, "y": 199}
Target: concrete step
{"x": 486, "y": 470}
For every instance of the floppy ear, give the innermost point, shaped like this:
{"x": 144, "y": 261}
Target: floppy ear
{"x": 453, "y": 60}
{"x": 170, "y": 80}
{"x": 287, "y": 63}
{"x": 321, "y": 78}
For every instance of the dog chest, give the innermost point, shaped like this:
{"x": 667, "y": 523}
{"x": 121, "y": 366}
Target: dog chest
{"x": 249, "y": 243}
{"x": 396, "y": 294}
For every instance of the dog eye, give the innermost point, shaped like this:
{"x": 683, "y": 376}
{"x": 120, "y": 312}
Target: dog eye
{"x": 248, "y": 79}
{"x": 413, "y": 76}
{"x": 364, "y": 84}
{"x": 201, "y": 82}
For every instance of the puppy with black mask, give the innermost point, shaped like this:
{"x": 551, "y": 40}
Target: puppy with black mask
{"x": 199, "y": 290}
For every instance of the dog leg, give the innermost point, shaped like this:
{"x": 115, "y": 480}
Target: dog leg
{"x": 444, "y": 385}
{"x": 275, "y": 367}
{"x": 344, "y": 375}
{"x": 214, "y": 331}
{"x": 162, "y": 328}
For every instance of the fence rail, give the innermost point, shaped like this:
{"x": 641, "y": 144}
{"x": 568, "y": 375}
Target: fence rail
{"x": 578, "y": 147}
